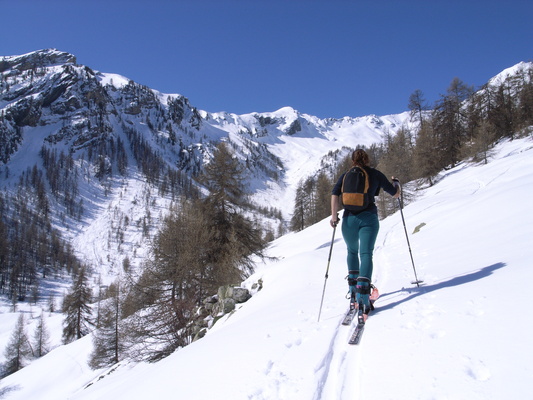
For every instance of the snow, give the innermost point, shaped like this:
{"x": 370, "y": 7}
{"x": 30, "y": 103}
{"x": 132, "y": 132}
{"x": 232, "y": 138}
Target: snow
{"x": 302, "y": 152}
{"x": 464, "y": 334}
{"x": 515, "y": 70}
{"x": 115, "y": 80}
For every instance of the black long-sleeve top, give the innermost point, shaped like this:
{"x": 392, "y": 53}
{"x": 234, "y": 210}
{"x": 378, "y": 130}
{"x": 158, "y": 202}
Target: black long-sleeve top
{"x": 377, "y": 181}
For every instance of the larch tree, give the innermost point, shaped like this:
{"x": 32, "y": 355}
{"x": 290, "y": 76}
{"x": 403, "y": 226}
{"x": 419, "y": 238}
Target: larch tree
{"x": 425, "y": 155}
{"x": 234, "y": 238}
{"x": 109, "y": 339}
{"x": 450, "y": 122}
{"x": 18, "y": 350}
{"x": 203, "y": 244}
{"x": 300, "y": 203}
{"x": 41, "y": 338}
{"x": 417, "y": 105}
{"x": 77, "y": 308}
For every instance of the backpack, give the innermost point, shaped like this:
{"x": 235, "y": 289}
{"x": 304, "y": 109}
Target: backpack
{"x": 354, "y": 190}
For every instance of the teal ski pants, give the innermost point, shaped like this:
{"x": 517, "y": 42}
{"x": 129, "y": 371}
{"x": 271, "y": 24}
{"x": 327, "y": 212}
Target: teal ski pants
{"x": 360, "y": 232}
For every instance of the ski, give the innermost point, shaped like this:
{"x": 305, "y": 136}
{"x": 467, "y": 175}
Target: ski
{"x": 352, "y": 311}
{"x": 360, "y": 327}
{"x": 355, "y": 338}
{"x": 348, "y": 318}
{"x": 357, "y": 333}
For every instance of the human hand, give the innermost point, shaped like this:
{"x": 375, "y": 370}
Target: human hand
{"x": 398, "y": 187}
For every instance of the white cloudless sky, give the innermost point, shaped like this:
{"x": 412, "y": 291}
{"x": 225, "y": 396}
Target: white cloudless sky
{"x": 329, "y": 58}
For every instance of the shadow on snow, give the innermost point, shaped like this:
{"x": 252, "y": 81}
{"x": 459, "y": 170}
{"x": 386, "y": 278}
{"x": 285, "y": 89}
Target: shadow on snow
{"x": 425, "y": 289}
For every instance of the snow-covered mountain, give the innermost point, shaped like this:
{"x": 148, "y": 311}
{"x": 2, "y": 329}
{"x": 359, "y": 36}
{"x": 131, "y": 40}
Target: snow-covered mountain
{"x": 123, "y": 142}
{"x": 121, "y": 151}
{"x": 125, "y": 150}
{"x": 464, "y": 334}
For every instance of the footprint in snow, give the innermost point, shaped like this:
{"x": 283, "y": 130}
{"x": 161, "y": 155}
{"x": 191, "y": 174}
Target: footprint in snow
{"x": 477, "y": 370}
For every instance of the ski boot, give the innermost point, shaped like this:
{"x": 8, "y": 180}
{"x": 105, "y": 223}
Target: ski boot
{"x": 362, "y": 291}
{"x": 352, "y": 284}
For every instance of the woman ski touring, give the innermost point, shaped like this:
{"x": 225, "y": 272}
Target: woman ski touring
{"x": 355, "y": 191}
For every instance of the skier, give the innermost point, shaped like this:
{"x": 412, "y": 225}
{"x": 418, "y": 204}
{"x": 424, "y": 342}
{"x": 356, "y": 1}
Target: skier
{"x": 360, "y": 230}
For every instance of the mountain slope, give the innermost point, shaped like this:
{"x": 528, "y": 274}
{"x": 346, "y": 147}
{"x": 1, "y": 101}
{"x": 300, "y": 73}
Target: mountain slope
{"x": 131, "y": 150}
{"x": 462, "y": 335}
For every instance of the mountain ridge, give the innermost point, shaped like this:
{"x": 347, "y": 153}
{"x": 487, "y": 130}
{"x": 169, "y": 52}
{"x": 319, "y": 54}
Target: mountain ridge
{"x": 107, "y": 125}
{"x": 274, "y": 348}
{"x": 113, "y": 156}
{"x": 132, "y": 149}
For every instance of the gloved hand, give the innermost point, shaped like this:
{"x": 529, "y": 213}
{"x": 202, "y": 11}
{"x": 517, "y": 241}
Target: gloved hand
{"x": 395, "y": 182}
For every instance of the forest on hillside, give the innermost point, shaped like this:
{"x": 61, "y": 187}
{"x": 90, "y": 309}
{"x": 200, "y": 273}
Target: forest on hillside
{"x": 209, "y": 239}
{"x": 464, "y": 124}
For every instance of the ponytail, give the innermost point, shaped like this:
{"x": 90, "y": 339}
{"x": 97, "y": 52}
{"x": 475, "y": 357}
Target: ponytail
{"x": 360, "y": 158}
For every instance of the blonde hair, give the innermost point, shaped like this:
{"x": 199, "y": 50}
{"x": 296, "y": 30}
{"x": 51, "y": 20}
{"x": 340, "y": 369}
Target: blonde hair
{"x": 360, "y": 158}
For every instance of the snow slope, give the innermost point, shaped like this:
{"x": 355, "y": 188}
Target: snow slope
{"x": 464, "y": 334}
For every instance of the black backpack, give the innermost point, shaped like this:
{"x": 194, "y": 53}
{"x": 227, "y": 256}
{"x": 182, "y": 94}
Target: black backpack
{"x": 354, "y": 189}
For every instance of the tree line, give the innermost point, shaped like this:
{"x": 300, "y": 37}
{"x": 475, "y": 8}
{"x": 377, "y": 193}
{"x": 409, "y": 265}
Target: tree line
{"x": 209, "y": 240}
{"x": 29, "y": 247}
{"x": 21, "y": 349}
{"x": 205, "y": 242}
{"x": 463, "y": 124}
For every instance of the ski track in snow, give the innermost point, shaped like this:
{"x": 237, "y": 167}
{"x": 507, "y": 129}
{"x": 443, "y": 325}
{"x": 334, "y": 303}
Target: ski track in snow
{"x": 440, "y": 341}
{"x": 328, "y": 368}
{"x": 342, "y": 365}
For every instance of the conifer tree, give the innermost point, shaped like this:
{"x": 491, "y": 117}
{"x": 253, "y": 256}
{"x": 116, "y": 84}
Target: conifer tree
{"x": 171, "y": 286}
{"x": 234, "y": 238}
{"x": 51, "y": 303}
{"x": 77, "y": 308}
{"x": 417, "y": 105}
{"x": 426, "y": 157}
{"x": 479, "y": 148}
{"x": 525, "y": 99}
{"x": 397, "y": 155}
{"x": 18, "y": 350}
{"x": 41, "y": 338}
{"x": 108, "y": 340}
{"x": 312, "y": 201}
{"x": 205, "y": 243}
{"x": 298, "y": 217}
{"x": 323, "y": 196}
{"x": 449, "y": 122}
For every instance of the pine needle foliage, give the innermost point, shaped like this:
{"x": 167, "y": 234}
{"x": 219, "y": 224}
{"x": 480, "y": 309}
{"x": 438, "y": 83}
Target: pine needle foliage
{"x": 77, "y": 308}
{"x": 18, "y": 351}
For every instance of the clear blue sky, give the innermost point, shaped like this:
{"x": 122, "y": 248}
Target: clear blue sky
{"x": 329, "y": 58}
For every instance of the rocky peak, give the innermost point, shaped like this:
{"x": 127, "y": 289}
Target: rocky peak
{"x": 37, "y": 59}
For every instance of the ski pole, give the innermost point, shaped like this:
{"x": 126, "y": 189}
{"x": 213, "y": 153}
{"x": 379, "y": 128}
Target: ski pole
{"x": 407, "y": 237}
{"x": 327, "y": 272}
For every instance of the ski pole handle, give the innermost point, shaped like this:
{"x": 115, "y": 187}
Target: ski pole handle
{"x": 334, "y": 222}
{"x": 398, "y": 186}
